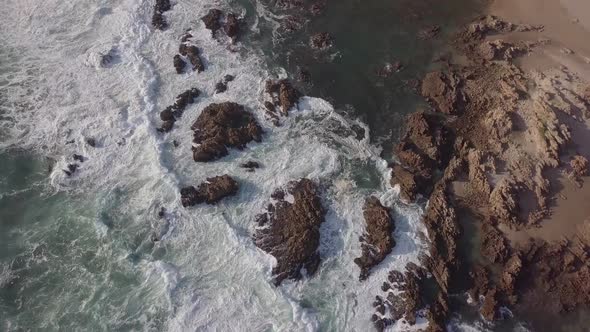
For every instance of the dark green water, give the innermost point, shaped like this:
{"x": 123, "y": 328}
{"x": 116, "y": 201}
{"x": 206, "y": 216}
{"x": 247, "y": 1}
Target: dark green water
{"x": 367, "y": 35}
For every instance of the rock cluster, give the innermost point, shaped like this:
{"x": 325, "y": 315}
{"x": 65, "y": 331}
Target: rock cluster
{"x": 467, "y": 158}
{"x": 188, "y": 52}
{"x": 283, "y": 94}
{"x": 172, "y": 113}
{"x": 424, "y": 148}
{"x": 158, "y": 20}
{"x": 214, "y": 20}
{"x": 321, "y": 41}
{"x": 210, "y": 192}
{"x": 220, "y": 126}
{"x": 291, "y": 231}
{"x": 443, "y": 91}
{"x": 377, "y": 241}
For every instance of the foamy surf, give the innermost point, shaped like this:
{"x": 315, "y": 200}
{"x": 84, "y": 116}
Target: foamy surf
{"x": 204, "y": 273}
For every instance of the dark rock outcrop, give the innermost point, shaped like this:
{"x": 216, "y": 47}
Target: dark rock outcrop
{"x": 321, "y": 41}
{"x": 424, "y": 148}
{"x": 210, "y": 192}
{"x": 283, "y": 94}
{"x": 172, "y": 113}
{"x": 213, "y": 20}
{"x": 220, "y": 126}
{"x": 232, "y": 26}
{"x": 443, "y": 92}
{"x": 158, "y": 20}
{"x": 178, "y": 64}
{"x": 291, "y": 231}
{"x": 250, "y": 165}
{"x": 193, "y": 54}
{"x": 377, "y": 241}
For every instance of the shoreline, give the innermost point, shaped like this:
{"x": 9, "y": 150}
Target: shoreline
{"x": 504, "y": 142}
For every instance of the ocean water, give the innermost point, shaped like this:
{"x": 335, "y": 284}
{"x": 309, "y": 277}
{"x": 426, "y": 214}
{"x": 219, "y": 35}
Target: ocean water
{"x": 76, "y": 253}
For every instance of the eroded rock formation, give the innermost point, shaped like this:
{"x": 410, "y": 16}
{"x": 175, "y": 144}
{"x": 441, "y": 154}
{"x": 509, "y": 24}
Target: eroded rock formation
{"x": 220, "y": 126}
{"x": 377, "y": 241}
{"x": 210, "y": 192}
{"x": 291, "y": 231}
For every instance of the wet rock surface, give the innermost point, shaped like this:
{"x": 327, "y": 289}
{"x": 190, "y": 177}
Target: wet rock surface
{"x": 291, "y": 231}
{"x": 321, "y": 41}
{"x": 158, "y": 20}
{"x": 464, "y": 157}
{"x": 377, "y": 241}
{"x": 223, "y": 125}
{"x": 424, "y": 149}
{"x": 174, "y": 112}
{"x": 283, "y": 94}
{"x": 210, "y": 192}
{"x": 215, "y": 20}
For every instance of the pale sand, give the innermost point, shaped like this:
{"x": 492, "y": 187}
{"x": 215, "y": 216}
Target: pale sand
{"x": 566, "y": 26}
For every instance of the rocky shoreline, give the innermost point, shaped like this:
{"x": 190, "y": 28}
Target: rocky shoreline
{"x": 485, "y": 148}
{"x": 494, "y": 133}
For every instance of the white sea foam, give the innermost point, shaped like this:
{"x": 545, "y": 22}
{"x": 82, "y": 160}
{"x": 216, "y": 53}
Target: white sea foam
{"x": 211, "y": 276}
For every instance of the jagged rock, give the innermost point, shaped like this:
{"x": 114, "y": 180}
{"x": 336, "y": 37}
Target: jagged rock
{"x": 493, "y": 244}
{"x": 220, "y": 125}
{"x": 79, "y": 158}
{"x": 579, "y": 167}
{"x": 425, "y": 147}
{"x": 321, "y": 41}
{"x": 291, "y": 231}
{"x": 443, "y": 91}
{"x": 172, "y": 113}
{"x": 91, "y": 141}
{"x": 178, "y": 64}
{"x": 220, "y": 87}
{"x": 318, "y": 7}
{"x": 158, "y": 20}
{"x": 378, "y": 237}
{"x": 162, "y": 5}
{"x": 166, "y": 126}
{"x": 212, "y": 20}
{"x": 210, "y": 192}
{"x": 283, "y": 94}
{"x": 250, "y": 164}
{"x": 228, "y": 78}
{"x": 71, "y": 169}
{"x": 232, "y": 25}
{"x": 193, "y": 54}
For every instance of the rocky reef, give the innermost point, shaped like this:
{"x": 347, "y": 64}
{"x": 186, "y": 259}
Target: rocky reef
{"x": 174, "y": 112}
{"x": 210, "y": 192}
{"x": 220, "y": 126}
{"x": 485, "y": 149}
{"x": 158, "y": 20}
{"x": 377, "y": 241}
{"x": 290, "y": 230}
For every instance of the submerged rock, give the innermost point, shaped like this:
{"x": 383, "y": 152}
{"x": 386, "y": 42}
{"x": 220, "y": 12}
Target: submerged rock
{"x": 291, "y": 231}
{"x": 210, "y": 192}
{"x": 321, "y": 41}
{"x": 377, "y": 241}
{"x": 220, "y": 126}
